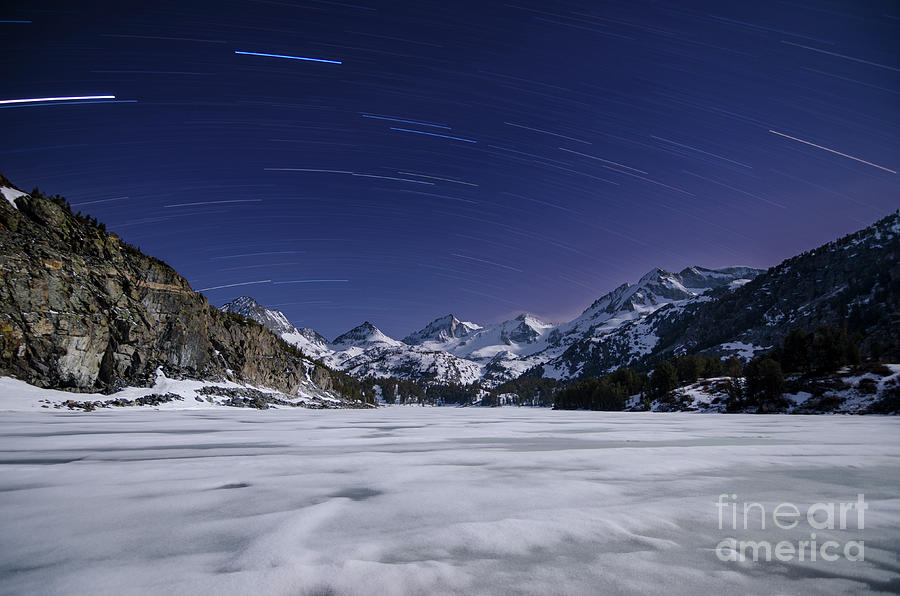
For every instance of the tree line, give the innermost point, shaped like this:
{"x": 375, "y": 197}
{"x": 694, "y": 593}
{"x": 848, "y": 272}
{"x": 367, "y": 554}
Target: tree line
{"x": 822, "y": 351}
{"x": 805, "y": 353}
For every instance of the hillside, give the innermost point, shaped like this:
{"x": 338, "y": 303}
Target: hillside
{"x": 82, "y": 310}
{"x": 853, "y": 282}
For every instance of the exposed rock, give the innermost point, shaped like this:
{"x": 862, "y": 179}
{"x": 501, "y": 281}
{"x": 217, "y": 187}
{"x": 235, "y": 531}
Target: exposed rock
{"x": 81, "y": 309}
{"x": 147, "y": 400}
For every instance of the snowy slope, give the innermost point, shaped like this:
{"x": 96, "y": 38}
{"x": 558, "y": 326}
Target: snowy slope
{"x": 401, "y": 502}
{"x": 165, "y": 394}
{"x": 522, "y": 335}
{"x": 407, "y": 362}
{"x": 308, "y": 340}
{"x": 442, "y": 332}
{"x": 618, "y": 320}
{"x": 273, "y": 320}
{"x": 449, "y": 350}
{"x": 365, "y": 351}
{"x": 852, "y": 390}
{"x": 655, "y": 289}
{"x": 11, "y": 194}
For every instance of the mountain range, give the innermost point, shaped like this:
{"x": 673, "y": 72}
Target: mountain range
{"x": 448, "y": 350}
{"x": 851, "y": 282}
{"x": 82, "y": 310}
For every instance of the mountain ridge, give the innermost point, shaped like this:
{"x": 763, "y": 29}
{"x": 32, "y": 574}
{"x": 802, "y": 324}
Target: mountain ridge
{"x": 467, "y": 352}
{"x": 826, "y": 285}
{"x": 664, "y": 313}
{"x": 82, "y": 310}
{"x": 131, "y": 315}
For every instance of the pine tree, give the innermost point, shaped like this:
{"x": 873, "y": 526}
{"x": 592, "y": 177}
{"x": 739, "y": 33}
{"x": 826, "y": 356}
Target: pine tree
{"x": 732, "y": 367}
{"x": 765, "y": 382}
{"x": 663, "y": 379}
{"x": 795, "y": 354}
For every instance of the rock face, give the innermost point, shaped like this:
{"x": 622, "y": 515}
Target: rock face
{"x": 81, "y": 309}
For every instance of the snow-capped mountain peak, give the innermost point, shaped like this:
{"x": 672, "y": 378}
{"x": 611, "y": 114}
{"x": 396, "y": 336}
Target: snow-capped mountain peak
{"x": 658, "y": 287}
{"x": 441, "y": 330}
{"x": 273, "y": 320}
{"x": 521, "y": 335}
{"x": 363, "y": 335}
{"x": 308, "y": 340}
{"x": 524, "y": 329}
{"x": 450, "y": 350}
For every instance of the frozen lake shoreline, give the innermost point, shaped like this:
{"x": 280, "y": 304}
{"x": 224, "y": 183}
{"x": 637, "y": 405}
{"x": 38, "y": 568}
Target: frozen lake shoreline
{"x": 424, "y": 500}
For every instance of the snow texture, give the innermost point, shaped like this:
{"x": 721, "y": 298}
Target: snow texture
{"x": 16, "y": 395}
{"x": 11, "y": 194}
{"x": 409, "y": 500}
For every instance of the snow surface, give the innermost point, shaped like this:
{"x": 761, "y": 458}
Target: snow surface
{"x": 16, "y": 395}
{"x": 483, "y": 343}
{"x": 742, "y": 350}
{"x": 11, "y": 194}
{"x": 310, "y": 347}
{"x": 407, "y": 500}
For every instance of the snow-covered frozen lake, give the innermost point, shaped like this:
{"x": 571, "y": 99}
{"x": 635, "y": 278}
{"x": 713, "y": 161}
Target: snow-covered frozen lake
{"x": 411, "y": 500}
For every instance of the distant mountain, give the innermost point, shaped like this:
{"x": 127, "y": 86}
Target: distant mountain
{"x": 728, "y": 311}
{"x": 448, "y": 350}
{"x": 407, "y": 362}
{"x": 628, "y": 302}
{"x": 657, "y": 288}
{"x": 273, "y": 320}
{"x": 363, "y": 336}
{"x": 853, "y": 282}
{"x": 364, "y": 351}
{"x": 82, "y": 310}
{"x": 441, "y": 331}
{"x": 307, "y": 340}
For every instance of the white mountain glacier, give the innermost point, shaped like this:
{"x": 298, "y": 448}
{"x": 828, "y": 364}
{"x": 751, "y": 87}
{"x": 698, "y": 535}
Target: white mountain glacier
{"x": 308, "y": 340}
{"x": 449, "y": 350}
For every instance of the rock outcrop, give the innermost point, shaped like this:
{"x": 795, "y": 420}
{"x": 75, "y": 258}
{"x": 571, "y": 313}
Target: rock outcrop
{"x": 83, "y": 310}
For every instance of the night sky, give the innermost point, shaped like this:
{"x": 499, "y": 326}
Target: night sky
{"x": 480, "y": 158}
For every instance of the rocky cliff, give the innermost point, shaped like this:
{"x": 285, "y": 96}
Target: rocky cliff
{"x": 83, "y": 310}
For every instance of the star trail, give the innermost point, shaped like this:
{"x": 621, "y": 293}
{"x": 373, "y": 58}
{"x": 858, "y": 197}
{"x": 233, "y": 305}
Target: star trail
{"x": 398, "y": 161}
{"x": 288, "y": 57}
